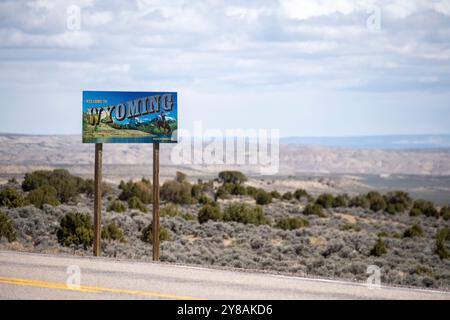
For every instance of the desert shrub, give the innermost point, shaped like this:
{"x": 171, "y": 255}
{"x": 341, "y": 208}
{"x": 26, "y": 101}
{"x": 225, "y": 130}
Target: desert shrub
{"x": 223, "y": 192}
{"x": 171, "y": 210}
{"x": 210, "y": 212}
{"x": 399, "y": 197}
{"x": 384, "y": 234}
{"x": 263, "y": 197}
{"x": 147, "y": 234}
{"x": 107, "y": 189}
{"x": 239, "y": 212}
{"x": 229, "y": 187}
{"x": 89, "y": 188}
{"x": 340, "y": 201}
{"x": 350, "y": 226}
{"x": 136, "y": 203}
{"x": 392, "y": 209}
{"x": 379, "y": 248}
{"x": 314, "y": 209}
{"x": 292, "y": 223}
{"x": 12, "y": 198}
{"x": 239, "y": 189}
{"x": 360, "y": 201}
{"x": 180, "y": 177}
{"x": 415, "y": 231}
{"x": 301, "y": 193}
{"x": 287, "y": 196}
{"x": 43, "y": 195}
{"x": 325, "y": 200}
{"x": 441, "y": 249}
{"x": 117, "y": 206}
{"x": 445, "y": 213}
{"x": 13, "y": 180}
{"x": 112, "y": 232}
{"x": 7, "y": 229}
{"x": 187, "y": 216}
{"x": 256, "y": 243}
{"x": 414, "y": 212}
{"x": 67, "y": 186}
{"x": 141, "y": 189}
{"x": 204, "y": 199}
{"x": 177, "y": 192}
{"x": 423, "y": 270}
{"x": 334, "y": 246}
{"x": 252, "y": 191}
{"x": 377, "y": 202}
{"x": 397, "y": 202}
{"x": 146, "y": 181}
{"x": 196, "y": 191}
{"x": 75, "y": 229}
{"x": 425, "y": 207}
{"x": 275, "y": 194}
{"x": 234, "y": 177}
{"x": 208, "y": 186}
{"x": 36, "y": 179}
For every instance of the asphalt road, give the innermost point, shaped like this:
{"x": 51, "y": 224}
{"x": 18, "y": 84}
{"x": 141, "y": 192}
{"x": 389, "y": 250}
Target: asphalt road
{"x": 38, "y": 276}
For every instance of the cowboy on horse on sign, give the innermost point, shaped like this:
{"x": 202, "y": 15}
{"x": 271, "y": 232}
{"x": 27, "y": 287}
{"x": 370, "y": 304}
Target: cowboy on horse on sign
{"x": 162, "y": 124}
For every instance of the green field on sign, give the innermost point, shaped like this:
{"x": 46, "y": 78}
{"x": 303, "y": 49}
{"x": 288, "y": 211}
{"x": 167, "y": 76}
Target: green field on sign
{"x": 113, "y": 130}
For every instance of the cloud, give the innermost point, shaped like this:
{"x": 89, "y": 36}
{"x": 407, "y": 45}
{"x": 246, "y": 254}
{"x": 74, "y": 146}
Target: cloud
{"x": 396, "y": 9}
{"x": 306, "y": 9}
{"x": 203, "y": 40}
{"x": 13, "y": 38}
{"x": 226, "y": 47}
{"x": 97, "y": 19}
{"x": 247, "y": 14}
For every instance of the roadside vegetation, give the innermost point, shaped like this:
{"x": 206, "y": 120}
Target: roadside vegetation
{"x": 7, "y": 229}
{"x": 379, "y": 248}
{"x": 141, "y": 190}
{"x": 292, "y": 223}
{"x": 76, "y": 229}
{"x": 117, "y": 206}
{"x": 233, "y": 221}
{"x": 112, "y": 232}
{"x": 442, "y": 242}
{"x": 66, "y": 186}
{"x": 147, "y": 234}
{"x": 12, "y": 198}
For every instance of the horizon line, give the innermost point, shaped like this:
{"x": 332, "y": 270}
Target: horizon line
{"x": 281, "y": 137}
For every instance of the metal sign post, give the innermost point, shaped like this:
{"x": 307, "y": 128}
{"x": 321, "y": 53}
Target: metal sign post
{"x": 98, "y": 198}
{"x": 155, "y": 231}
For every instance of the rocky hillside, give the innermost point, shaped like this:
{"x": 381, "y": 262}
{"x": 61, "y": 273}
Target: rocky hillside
{"x": 20, "y": 153}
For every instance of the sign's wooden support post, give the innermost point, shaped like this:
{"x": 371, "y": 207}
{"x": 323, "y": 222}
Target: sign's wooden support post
{"x": 97, "y": 107}
{"x": 98, "y": 198}
{"x": 155, "y": 231}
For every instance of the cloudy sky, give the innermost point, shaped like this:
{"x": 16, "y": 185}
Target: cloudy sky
{"x": 308, "y": 68}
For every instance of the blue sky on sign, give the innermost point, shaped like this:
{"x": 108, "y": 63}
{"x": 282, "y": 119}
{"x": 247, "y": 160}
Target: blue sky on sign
{"x": 309, "y": 68}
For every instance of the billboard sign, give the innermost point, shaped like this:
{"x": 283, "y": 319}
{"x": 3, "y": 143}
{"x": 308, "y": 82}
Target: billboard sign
{"x": 129, "y": 117}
